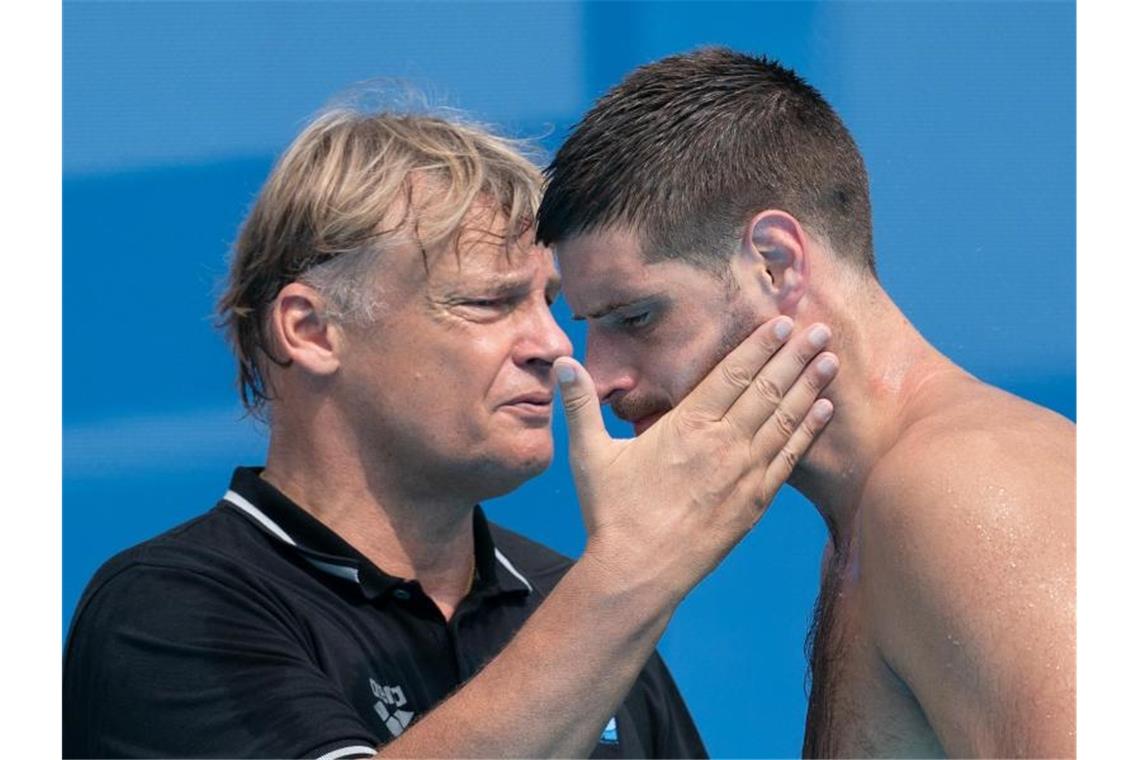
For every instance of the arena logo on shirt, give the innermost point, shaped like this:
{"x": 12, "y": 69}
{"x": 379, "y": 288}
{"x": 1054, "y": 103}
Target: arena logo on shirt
{"x": 389, "y": 700}
{"x": 609, "y": 733}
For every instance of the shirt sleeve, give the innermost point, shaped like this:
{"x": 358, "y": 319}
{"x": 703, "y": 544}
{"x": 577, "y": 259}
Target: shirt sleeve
{"x": 674, "y": 732}
{"x": 172, "y": 662}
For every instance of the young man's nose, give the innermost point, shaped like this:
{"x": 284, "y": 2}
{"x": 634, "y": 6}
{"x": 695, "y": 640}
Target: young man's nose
{"x": 612, "y": 376}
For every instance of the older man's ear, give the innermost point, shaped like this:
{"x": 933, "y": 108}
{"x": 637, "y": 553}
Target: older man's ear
{"x": 302, "y": 333}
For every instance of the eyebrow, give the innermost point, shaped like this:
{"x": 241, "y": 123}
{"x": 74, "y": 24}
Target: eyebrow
{"x": 613, "y": 306}
{"x": 511, "y": 284}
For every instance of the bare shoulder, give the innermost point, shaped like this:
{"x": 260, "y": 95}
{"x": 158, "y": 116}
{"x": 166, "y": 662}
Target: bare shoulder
{"x": 976, "y": 446}
{"x": 966, "y": 537}
{"x": 980, "y": 472}
{"x": 983, "y": 480}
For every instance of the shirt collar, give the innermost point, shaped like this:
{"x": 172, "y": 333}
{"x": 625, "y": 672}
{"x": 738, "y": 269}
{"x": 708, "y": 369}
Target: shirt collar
{"x": 289, "y": 523}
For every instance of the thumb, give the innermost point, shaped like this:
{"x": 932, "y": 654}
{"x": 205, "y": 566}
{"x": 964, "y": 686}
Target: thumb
{"x": 583, "y": 412}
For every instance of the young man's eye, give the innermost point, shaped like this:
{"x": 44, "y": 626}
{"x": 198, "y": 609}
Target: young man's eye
{"x": 635, "y": 320}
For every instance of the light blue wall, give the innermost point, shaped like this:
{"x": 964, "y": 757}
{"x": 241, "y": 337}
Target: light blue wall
{"x": 173, "y": 113}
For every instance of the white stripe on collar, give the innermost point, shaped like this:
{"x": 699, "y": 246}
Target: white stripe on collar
{"x": 341, "y": 571}
{"x": 243, "y": 504}
{"x": 346, "y": 752}
{"x": 511, "y": 569}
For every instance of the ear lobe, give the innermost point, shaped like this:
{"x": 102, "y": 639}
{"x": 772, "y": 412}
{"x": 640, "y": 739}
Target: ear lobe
{"x": 778, "y": 244}
{"x": 302, "y": 333}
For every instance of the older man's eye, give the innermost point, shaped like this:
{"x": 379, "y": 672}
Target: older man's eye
{"x": 485, "y": 303}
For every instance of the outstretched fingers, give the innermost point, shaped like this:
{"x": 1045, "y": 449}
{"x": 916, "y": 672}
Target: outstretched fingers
{"x": 773, "y": 466}
{"x": 784, "y": 459}
{"x": 735, "y": 373}
{"x": 768, "y": 398}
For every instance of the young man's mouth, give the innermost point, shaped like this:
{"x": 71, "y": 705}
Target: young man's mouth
{"x": 644, "y": 423}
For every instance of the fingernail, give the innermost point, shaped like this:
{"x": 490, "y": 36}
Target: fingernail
{"x": 564, "y": 373}
{"x": 783, "y": 328}
{"x": 828, "y": 366}
{"x": 822, "y": 410}
{"x": 818, "y": 336}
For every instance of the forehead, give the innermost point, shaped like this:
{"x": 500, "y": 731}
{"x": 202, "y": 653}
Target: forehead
{"x": 483, "y": 256}
{"x": 600, "y": 254}
{"x": 481, "y": 249}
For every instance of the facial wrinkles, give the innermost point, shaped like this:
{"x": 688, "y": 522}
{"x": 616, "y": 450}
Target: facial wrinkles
{"x": 483, "y": 277}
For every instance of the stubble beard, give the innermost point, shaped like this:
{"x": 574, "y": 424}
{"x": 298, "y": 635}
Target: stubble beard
{"x": 739, "y": 322}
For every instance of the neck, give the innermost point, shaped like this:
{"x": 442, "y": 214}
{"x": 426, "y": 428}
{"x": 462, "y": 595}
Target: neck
{"x": 883, "y": 362}
{"x": 423, "y": 536}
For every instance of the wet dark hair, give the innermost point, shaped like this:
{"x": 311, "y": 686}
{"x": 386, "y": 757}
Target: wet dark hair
{"x": 685, "y": 150}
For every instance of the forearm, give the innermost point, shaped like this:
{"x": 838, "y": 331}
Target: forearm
{"x": 551, "y": 690}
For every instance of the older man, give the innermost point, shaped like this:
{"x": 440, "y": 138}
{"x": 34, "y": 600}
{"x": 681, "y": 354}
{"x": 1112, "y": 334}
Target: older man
{"x": 390, "y": 315}
{"x": 709, "y": 192}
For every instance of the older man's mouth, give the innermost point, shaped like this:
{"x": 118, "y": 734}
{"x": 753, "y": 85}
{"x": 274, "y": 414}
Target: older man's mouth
{"x": 534, "y": 406}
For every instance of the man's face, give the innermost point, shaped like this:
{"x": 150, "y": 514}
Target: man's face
{"x": 653, "y": 330}
{"x": 453, "y": 381}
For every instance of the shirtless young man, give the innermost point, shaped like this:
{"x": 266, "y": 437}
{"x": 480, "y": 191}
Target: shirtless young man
{"x": 711, "y": 191}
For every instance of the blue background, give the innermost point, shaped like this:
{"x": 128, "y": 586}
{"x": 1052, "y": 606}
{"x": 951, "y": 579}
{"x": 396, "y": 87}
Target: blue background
{"x": 174, "y": 112}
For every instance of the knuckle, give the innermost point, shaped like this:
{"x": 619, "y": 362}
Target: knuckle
{"x": 785, "y": 422}
{"x": 814, "y": 382}
{"x": 812, "y": 385}
{"x": 735, "y": 376}
{"x": 767, "y": 390}
{"x": 770, "y": 345}
{"x": 811, "y": 426}
{"x": 689, "y": 422}
{"x": 789, "y": 458}
{"x": 805, "y": 354}
{"x": 575, "y": 404}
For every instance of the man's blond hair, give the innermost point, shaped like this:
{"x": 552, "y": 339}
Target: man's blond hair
{"x": 342, "y": 195}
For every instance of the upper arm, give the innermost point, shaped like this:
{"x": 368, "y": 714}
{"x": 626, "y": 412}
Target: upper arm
{"x": 969, "y": 562}
{"x": 170, "y": 662}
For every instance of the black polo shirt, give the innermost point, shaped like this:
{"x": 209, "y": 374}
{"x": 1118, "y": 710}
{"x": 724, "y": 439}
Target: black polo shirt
{"x": 256, "y": 631}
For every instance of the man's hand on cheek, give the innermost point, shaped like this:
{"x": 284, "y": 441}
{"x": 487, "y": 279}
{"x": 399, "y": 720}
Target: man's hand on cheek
{"x": 663, "y": 509}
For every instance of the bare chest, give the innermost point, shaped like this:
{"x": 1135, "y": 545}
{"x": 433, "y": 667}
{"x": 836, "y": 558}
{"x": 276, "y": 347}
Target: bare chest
{"x": 857, "y": 707}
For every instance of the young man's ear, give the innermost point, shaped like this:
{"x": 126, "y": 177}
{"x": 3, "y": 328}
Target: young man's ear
{"x": 774, "y": 253}
{"x": 303, "y": 335}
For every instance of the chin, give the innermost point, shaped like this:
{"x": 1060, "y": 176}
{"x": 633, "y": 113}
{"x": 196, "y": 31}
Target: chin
{"x": 500, "y": 476}
{"x": 531, "y": 466}
{"x": 530, "y": 455}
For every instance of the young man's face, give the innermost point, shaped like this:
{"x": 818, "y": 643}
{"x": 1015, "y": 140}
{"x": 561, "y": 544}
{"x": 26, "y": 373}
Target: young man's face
{"x": 454, "y": 380}
{"x": 653, "y": 330}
